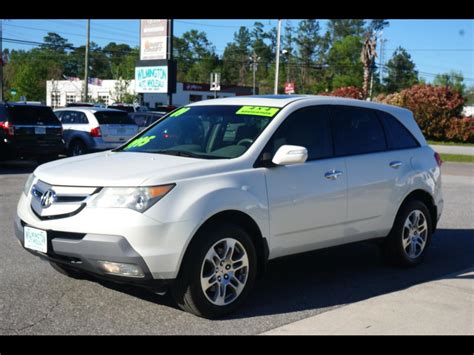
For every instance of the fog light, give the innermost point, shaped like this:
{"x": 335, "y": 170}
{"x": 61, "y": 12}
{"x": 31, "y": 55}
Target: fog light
{"x": 122, "y": 269}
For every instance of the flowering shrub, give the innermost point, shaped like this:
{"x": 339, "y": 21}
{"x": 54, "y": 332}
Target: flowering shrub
{"x": 461, "y": 130}
{"x": 349, "y": 92}
{"x": 434, "y": 108}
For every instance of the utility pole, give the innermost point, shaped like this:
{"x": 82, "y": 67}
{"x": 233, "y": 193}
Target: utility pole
{"x": 277, "y": 58}
{"x": 86, "y": 69}
{"x": 1, "y": 60}
{"x": 381, "y": 58}
{"x": 170, "y": 54}
{"x": 254, "y": 59}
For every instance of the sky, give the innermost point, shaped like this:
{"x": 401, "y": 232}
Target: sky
{"x": 436, "y": 46}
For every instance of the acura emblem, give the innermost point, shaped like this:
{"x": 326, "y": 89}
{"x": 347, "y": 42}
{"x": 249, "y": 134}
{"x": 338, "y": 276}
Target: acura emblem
{"x": 48, "y": 198}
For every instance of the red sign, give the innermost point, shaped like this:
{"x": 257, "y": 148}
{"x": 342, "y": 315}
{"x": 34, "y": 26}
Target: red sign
{"x": 289, "y": 88}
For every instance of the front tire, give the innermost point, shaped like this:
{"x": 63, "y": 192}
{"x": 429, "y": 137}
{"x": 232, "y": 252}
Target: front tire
{"x": 218, "y": 272}
{"x": 410, "y": 237}
{"x": 77, "y": 148}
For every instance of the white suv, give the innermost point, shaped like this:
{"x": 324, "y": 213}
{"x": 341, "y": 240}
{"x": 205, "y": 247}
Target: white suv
{"x": 91, "y": 129}
{"x": 199, "y": 202}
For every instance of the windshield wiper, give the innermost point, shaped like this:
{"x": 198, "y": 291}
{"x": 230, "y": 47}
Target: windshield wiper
{"x": 179, "y": 153}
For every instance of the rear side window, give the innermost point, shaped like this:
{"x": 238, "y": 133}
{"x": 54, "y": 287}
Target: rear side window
{"x": 32, "y": 115}
{"x": 72, "y": 117}
{"x": 113, "y": 117}
{"x": 398, "y": 136}
{"x": 308, "y": 127}
{"x": 357, "y": 131}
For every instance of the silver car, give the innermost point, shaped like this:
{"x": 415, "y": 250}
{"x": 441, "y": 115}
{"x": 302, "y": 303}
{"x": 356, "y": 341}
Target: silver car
{"x": 92, "y": 129}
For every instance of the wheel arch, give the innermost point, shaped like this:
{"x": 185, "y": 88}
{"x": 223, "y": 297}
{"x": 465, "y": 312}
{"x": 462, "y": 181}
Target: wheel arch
{"x": 243, "y": 220}
{"x": 427, "y": 199}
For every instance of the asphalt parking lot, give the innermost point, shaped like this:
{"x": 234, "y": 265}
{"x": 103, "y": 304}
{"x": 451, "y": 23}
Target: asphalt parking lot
{"x": 35, "y": 299}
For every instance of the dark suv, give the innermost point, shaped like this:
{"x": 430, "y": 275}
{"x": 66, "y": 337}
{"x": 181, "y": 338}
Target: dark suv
{"x": 29, "y": 131}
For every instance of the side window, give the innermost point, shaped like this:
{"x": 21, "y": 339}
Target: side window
{"x": 398, "y": 136}
{"x": 308, "y": 127}
{"x": 81, "y": 118}
{"x": 357, "y": 131}
{"x": 66, "y": 117}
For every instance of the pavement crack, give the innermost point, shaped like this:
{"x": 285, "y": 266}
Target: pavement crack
{"x": 48, "y": 313}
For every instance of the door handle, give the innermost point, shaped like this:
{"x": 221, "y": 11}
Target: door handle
{"x": 396, "y": 164}
{"x": 333, "y": 174}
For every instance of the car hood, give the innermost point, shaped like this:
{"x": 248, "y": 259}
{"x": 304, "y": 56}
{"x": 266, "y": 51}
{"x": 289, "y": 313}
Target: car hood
{"x": 124, "y": 169}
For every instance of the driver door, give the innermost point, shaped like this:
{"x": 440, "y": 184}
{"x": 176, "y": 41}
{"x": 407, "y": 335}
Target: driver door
{"x": 307, "y": 207}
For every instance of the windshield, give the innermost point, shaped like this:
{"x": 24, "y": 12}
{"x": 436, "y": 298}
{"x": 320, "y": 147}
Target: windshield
{"x": 207, "y": 132}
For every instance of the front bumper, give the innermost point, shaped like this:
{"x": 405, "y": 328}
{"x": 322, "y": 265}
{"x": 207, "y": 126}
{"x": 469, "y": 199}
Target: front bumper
{"x": 82, "y": 251}
{"x": 113, "y": 234}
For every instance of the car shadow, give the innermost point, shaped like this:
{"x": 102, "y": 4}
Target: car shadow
{"x": 338, "y": 276}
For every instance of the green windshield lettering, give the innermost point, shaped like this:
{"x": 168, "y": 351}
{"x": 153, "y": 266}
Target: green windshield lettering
{"x": 140, "y": 142}
{"x": 258, "y": 111}
{"x": 180, "y": 111}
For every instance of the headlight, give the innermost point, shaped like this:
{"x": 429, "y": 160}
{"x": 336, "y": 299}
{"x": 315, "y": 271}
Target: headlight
{"x": 28, "y": 184}
{"x": 136, "y": 198}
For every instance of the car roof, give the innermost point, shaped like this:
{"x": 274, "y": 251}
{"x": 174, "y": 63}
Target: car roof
{"x": 283, "y": 100}
{"x": 87, "y": 109}
{"x": 22, "y": 104}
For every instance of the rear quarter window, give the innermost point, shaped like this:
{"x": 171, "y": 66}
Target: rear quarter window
{"x": 32, "y": 115}
{"x": 113, "y": 117}
{"x": 398, "y": 136}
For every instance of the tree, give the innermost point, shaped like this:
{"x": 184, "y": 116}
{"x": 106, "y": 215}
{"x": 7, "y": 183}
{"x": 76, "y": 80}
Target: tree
{"x": 367, "y": 58}
{"x": 339, "y": 29}
{"x": 401, "y": 71}
{"x": 453, "y": 79}
{"x": 55, "y": 42}
{"x": 236, "y": 58}
{"x": 308, "y": 42}
{"x": 344, "y": 66}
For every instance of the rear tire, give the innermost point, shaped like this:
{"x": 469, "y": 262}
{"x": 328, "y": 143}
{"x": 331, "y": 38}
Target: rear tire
{"x": 410, "y": 237}
{"x": 218, "y": 271}
{"x": 77, "y": 148}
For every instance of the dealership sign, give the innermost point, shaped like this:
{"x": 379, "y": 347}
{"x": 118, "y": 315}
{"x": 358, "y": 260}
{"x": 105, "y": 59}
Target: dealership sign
{"x": 153, "y": 79}
{"x": 153, "y": 39}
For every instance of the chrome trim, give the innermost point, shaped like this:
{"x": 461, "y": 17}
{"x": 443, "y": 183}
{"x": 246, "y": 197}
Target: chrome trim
{"x": 396, "y": 164}
{"x": 333, "y": 174}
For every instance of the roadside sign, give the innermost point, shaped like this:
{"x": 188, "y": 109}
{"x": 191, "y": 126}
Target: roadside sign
{"x": 154, "y": 39}
{"x": 215, "y": 82}
{"x": 153, "y": 79}
{"x": 13, "y": 92}
{"x": 289, "y": 88}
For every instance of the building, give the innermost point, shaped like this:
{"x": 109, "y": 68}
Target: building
{"x": 61, "y": 92}
{"x": 468, "y": 111}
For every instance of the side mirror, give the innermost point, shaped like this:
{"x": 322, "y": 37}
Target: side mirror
{"x": 290, "y": 154}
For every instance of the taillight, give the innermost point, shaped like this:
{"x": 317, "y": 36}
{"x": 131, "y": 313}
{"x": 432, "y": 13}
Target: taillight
{"x": 8, "y": 128}
{"x": 95, "y": 132}
{"x": 438, "y": 159}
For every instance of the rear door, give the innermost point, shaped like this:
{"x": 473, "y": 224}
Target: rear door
{"x": 116, "y": 126}
{"x": 374, "y": 171}
{"x": 307, "y": 206}
{"x": 34, "y": 125}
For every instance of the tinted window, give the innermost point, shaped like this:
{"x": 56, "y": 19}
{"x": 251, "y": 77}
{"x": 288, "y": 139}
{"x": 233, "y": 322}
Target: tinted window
{"x": 113, "y": 117}
{"x": 398, "y": 136}
{"x": 31, "y": 115}
{"x": 357, "y": 131}
{"x": 308, "y": 127}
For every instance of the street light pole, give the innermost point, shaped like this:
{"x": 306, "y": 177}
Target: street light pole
{"x": 277, "y": 58}
{"x": 255, "y": 60}
{"x": 86, "y": 69}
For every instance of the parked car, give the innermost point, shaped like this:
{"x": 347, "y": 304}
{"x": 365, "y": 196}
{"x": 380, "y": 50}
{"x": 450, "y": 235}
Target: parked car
{"x": 145, "y": 119}
{"x": 130, "y": 108}
{"x": 29, "y": 131}
{"x": 92, "y": 129}
{"x": 199, "y": 203}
